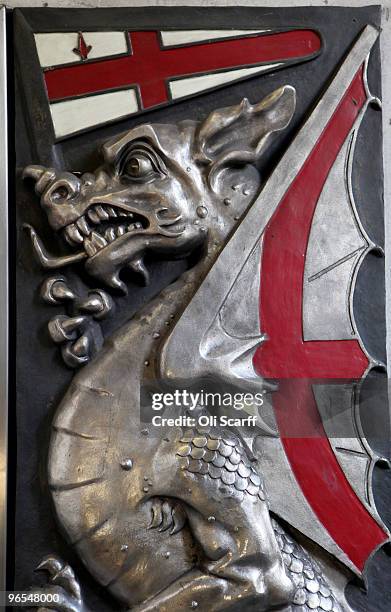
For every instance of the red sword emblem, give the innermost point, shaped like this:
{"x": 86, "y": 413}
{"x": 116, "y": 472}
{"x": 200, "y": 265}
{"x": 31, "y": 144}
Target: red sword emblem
{"x": 82, "y": 49}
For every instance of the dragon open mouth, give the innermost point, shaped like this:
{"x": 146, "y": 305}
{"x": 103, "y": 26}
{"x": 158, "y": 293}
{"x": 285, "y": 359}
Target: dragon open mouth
{"x": 102, "y": 225}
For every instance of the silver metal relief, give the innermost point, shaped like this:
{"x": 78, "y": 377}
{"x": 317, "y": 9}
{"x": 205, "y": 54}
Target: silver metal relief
{"x": 184, "y": 520}
{"x": 78, "y": 333}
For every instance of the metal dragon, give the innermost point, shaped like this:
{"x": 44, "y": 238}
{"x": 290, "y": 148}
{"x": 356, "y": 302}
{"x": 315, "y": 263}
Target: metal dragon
{"x": 182, "y": 519}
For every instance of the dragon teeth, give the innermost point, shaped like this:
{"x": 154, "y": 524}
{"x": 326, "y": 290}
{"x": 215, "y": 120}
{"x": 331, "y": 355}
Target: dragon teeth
{"x": 83, "y": 226}
{"x": 134, "y": 226}
{"x": 111, "y": 211}
{"x": 102, "y": 214}
{"x": 81, "y": 232}
{"x": 94, "y": 243}
{"x": 67, "y": 238}
{"x": 110, "y": 234}
{"x": 73, "y": 234}
{"x": 97, "y": 240}
{"x": 89, "y": 248}
{"x": 93, "y": 216}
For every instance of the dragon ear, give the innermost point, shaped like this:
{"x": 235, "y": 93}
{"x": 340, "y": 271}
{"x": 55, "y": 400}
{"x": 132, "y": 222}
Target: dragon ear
{"x": 239, "y": 135}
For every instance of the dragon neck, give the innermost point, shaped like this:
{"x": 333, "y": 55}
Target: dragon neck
{"x": 132, "y": 354}
{"x": 138, "y": 342}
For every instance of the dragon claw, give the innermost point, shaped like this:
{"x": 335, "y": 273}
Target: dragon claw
{"x": 63, "y": 586}
{"x": 50, "y": 564}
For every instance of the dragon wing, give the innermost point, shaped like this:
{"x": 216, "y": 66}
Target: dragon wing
{"x": 256, "y": 284}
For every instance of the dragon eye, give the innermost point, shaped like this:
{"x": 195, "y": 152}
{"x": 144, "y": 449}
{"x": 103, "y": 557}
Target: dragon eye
{"x": 138, "y": 166}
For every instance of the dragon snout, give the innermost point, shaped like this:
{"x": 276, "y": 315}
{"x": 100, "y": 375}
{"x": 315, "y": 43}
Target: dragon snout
{"x": 59, "y": 194}
{"x": 57, "y": 185}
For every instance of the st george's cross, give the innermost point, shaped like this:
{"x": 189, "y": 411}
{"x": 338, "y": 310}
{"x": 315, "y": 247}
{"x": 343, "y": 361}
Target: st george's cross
{"x": 123, "y": 73}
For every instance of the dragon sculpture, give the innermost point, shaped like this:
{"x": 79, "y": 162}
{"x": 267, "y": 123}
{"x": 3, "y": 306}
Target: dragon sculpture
{"x": 178, "y": 520}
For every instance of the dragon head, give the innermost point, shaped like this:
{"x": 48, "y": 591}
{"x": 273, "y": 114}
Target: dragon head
{"x": 160, "y": 189}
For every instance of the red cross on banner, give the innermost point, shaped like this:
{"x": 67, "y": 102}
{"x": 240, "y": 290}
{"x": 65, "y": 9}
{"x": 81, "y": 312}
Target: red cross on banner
{"x": 159, "y": 67}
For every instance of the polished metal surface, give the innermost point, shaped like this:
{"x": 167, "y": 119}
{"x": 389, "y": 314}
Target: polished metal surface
{"x": 4, "y": 326}
{"x": 181, "y": 519}
{"x": 132, "y": 503}
{"x": 177, "y": 355}
{"x": 351, "y": 451}
{"x": 77, "y": 333}
{"x": 330, "y": 264}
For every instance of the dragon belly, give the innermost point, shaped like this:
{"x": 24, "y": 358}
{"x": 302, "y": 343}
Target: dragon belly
{"x": 100, "y": 472}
